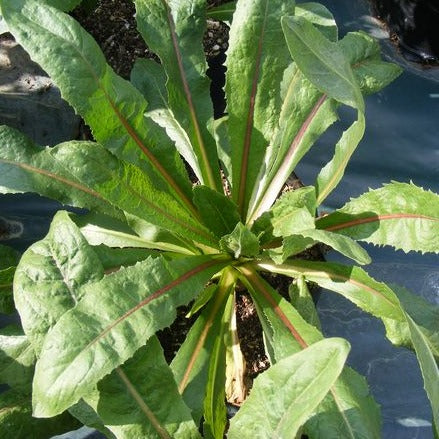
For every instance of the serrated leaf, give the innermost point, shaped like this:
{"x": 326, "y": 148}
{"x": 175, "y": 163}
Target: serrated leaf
{"x": 174, "y": 31}
{"x": 306, "y": 238}
{"x": 111, "y": 106}
{"x": 133, "y": 303}
{"x": 16, "y": 421}
{"x": 218, "y": 212}
{"x": 399, "y": 214}
{"x": 17, "y": 358}
{"x": 301, "y": 382}
{"x": 26, "y": 168}
{"x": 127, "y": 187}
{"x": 255, "y": 65}
{"x": 131, "y": 406}
{"x": 241, "y": 242}
{"x": 429, "y": 367}
{"x": 49, "y": 276}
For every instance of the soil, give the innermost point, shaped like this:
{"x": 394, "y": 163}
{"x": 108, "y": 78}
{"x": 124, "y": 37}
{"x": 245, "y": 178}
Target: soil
{"x": 112, "y": 24}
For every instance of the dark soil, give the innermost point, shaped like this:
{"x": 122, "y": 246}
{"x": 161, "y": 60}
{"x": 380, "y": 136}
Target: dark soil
{"x": 112, "y": 24}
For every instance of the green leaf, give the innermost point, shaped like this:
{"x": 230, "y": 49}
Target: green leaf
{"x": 429, "y": 367}
{"x": 16, "y": 421}
{"x": 132, "y": 304}
{"x": 348, "y": 410}
{"x": 49, "y": 276}
{"x": 56, "y": 42}
{"x": 174, "y": 31}
{"x": 306, "y": 238}
{"x": 364, "y": 54}
{"x": 322, "y": 61}
{"x": 320, "y": 17}
{"x": 215, "y": 412}
{"x": 6, "y": 296}
{"x": 399, "y": 214}
{"x": 27, "y": 168}
{"x": 8, "y": 257}
{"x": 241, "y": 242}
{"x": 127, "y": 187}
{"x": 63, "y": 5}
{"x": 191, "y": 363}
{"x": 17, "y": 358}
{"x": 303, "y": 302}
{"x": 301, "y": 382}
{"x": 255, "y": 65}
{"x": 134, "y": 407}
{"x": 218, "y": 212}
{"x": 203, "y": 298}
{"x": 223, "y": 12}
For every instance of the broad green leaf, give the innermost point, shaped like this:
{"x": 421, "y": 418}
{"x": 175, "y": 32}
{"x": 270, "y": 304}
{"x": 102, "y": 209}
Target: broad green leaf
{"x": 127, "y": 187}
{"x": 215, "y": 412}
{"x": 364, "y": 54}
{"x": 134, "y": 407}
{"x": 322, "y": 62}
{"x": 399, "y": 214}
{"x": 348, "y": 410}
{"x": 174, "y": 31}
{"x": 256, "y": 61}
{"x": 8, "y": 257}
{"x": 286, "y": 395}
{"x": 191, "y": 363}
{"x": 16, "y": 421}
{"x": 17, "y": 358}
{"x": 133, "y": 303}
{"x": 240, "y": 242}
{"x": 306, "y": 238}
{"x": 429, "y": 367}
{"x": 303, "y": 302}
{"x": 49, "y": 276}
{"x": 111, "y": 106}
{"x": 320, "y": 17}
{"x": 222, "y": 12}
{"x": 219, "y": 213}
{"x": 27, "y": 168}
{"x": 351, "y": 282}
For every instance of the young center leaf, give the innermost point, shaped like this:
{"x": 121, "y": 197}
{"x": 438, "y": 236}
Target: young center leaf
{"x": 402, "y": 215}
{"x": 301, "y": 382}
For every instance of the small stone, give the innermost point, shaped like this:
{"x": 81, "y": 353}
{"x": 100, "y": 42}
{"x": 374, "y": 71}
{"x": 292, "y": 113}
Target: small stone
{"x": 215, "y": 48}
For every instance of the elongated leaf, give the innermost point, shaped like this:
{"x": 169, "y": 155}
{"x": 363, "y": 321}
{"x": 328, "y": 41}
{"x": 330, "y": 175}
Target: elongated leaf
{"x": 255, "y": 65}
{"x": 111, "y": 106}
{"x": 301, "y": 380}
{"x": 347, "y": 247}
{"x": 17, "y": 358}
{"x": 191, "y": 363}
{"x": 49, "y": 276}
{"x": 399, "y": 214}
{"x": 16, "y": 421}
{"x": 116, "y": 317}
{"x": 429, "y": 367}
{"x": 219, "y": 213}
{"x": 63, "y": 5}
{"x": 241, "y": 242}
{"x": 348, "y": 410}
{"x": 215, "y": 412}
{"x": 27, "y": 168}
{"x": 140, "y": 399}
{"x": 302, "y": 300}
{"x": 126, "y": 186}
{"x": 174, "y": 31}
